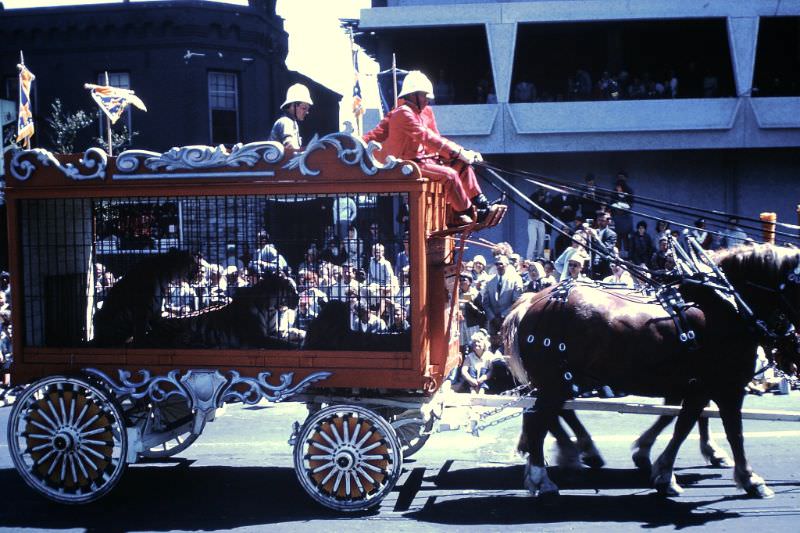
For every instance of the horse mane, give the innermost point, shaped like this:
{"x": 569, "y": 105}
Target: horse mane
{"x": 767, "y": 263}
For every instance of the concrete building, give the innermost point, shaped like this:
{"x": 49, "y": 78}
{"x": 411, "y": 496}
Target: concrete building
{"x": 520, "y": 82}
{"x": 208, "y": 72}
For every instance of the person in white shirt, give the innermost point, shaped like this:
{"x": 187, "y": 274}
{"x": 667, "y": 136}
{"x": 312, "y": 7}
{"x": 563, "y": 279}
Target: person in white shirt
{"x": 380, "y": 269}
{"x": 619, "y": 276}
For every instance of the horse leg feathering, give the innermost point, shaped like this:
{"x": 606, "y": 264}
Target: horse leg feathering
{"x": 538, "y": 482}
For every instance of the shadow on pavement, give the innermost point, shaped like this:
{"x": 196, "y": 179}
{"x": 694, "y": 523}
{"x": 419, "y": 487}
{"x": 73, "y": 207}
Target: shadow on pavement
{"x": 166, "y": 497}
{"x": 649, "y": 510}
{"x": 510, "y": 478}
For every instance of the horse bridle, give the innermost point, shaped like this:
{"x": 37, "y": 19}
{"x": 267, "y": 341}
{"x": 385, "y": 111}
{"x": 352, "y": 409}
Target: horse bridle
{"x": 782, "y": 326}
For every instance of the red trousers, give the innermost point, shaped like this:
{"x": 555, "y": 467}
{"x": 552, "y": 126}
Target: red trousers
{"x": 458, "y": 179}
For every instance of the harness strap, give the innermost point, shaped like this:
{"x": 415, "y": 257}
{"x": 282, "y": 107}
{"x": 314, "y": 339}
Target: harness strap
{"x": 675, "y": 306}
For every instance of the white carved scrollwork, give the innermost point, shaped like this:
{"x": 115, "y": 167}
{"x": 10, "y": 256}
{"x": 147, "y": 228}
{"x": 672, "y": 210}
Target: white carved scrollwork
{"x": 199, "y": 157}
{"x": 350, "y": 149}
{"x": 91, "y": 166}
{"x": 207, "y": 389}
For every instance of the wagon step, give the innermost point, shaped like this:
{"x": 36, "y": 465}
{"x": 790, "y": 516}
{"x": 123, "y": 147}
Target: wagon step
{"x": 496, "y": 214}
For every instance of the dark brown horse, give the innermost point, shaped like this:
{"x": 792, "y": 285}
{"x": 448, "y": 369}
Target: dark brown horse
{"x": 630, "y": 342}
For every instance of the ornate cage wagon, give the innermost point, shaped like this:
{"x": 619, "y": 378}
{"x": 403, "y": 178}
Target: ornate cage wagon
{"x": 149, "y": 289}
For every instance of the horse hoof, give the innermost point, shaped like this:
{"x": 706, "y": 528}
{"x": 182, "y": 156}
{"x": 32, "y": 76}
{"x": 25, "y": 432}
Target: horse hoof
{"x": 756, "y": 487}
{"x": 669, "y": 489}
{"x": 716, "y": 456}
{"x": 590, "y": 456}
{"x": 642, "y": 461}
{"x": 720, "y": 462}
{"x": 762, "y": 492}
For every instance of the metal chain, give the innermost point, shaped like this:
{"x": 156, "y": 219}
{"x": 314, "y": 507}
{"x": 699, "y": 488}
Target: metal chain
{"x": 507, "y": 405}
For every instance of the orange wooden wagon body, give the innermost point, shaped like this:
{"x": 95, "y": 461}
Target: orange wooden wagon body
{"x": 60, "y": 209}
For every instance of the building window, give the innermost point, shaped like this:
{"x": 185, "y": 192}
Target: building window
{"x": 223, "y": 108}
{"x": 120, "y": 80}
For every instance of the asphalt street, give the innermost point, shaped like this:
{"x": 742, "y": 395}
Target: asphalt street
{"x": 238, "y": 477}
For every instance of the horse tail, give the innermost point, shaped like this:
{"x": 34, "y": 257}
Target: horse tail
{"x": 509, "y": 333}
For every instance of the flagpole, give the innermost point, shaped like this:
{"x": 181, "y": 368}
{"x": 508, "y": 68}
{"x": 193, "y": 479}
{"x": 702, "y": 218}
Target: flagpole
{"x": 108, "y": 123}
{"x": 394, "y": 79}
{"x": 27, "y": 143}
{"x": 353, "y": 52}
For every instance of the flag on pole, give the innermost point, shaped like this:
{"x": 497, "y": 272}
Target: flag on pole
{"x": 358, "y": 106}
{"x": 25, "y": 114}
{"x": 113, "y": 100}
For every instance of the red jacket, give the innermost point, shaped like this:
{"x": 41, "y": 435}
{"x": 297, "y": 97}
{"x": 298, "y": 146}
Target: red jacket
{"x": 406, "y": 133}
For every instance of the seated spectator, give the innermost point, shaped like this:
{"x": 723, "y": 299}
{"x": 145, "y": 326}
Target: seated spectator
{"x": 181, "y": 299}
{"x": 231, "y": 258}
{"x": 701, "y": 235}
{"x": 619, "y": 276}
{"x": 213, "y": 287}
{"x": 578, "y": 242}
{"x": 576, "y": 265}
{"x": 475, "y": 370}
{"x": 6, "y": 350}
{"x": 267, "y": 259}
{"x": 367, "y": 321}
{"x": 733, "y": 235}
{"x": 399, "y": 323}
{"x": 658, "y": 259}
{"x": 538, "y": 279}
{"x": 304, "y": 316}
{"x": 286, "y": 325}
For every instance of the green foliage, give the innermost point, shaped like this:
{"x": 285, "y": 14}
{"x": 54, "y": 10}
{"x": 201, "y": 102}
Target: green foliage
{"x": 121, "y": 138}
{"x": 64, "y": 127}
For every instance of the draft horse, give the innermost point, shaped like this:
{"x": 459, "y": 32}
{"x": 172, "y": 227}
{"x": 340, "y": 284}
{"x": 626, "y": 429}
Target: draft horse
{"x": 630, "y": 342}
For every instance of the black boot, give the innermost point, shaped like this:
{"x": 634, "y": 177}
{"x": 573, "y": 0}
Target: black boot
{"x": 481, "y": 204}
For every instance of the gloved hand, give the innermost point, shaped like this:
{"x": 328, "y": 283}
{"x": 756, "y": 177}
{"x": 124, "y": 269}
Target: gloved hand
{"x": 469, "y": 157}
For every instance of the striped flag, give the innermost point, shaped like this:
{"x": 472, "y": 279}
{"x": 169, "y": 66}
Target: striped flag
{"x": 25, "y": 118}
{"x": 113, "y": 100}
{"x": 358, "y": 107}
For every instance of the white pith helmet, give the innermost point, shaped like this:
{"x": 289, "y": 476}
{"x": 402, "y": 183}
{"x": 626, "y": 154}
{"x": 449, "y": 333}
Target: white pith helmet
{"x": 297, "y": 93}
{"x": 416, "y": 81}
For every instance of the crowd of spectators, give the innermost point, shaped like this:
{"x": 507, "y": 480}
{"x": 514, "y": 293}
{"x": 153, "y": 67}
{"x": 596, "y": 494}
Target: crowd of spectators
{"x": 624, "y": 85}
{"x": 608, "y": 217}
{"x": 353, "y": 269}
{"x": 6, "y": 332}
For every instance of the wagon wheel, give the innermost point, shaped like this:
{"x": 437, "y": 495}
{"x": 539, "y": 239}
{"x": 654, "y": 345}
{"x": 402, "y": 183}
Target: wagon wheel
{"x": 347, "y": 458}
{"x": 411, "y": 428}
{"x": 173, "y": 416}
{"x": 67, "y": 439}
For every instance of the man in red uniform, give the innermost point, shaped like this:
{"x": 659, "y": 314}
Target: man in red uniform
{"x": 409, "y": 131}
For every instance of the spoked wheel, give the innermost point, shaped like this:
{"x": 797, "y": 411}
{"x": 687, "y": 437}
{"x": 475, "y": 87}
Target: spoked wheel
{"x": 67, "y": 439}
{"x": 172, "y": 417}
{"x": 347, "y": 458}
{"x": 411, "y": 428}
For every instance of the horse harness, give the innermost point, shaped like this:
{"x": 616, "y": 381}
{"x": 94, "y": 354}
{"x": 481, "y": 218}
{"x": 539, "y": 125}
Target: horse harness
{"x": 673, "y": 303}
